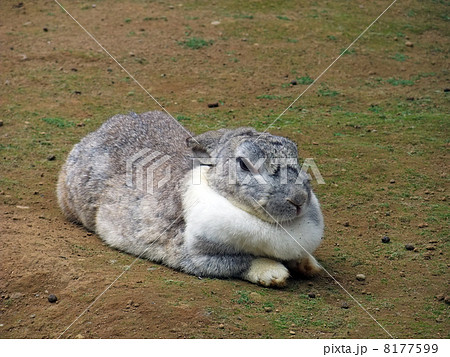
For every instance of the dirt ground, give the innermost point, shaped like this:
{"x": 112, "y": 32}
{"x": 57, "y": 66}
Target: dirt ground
{"x": 376, "y": 124}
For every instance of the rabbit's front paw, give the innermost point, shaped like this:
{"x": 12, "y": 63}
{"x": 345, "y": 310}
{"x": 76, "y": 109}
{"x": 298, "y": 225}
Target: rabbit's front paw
{"x": 267, "y": 272}
{"x": 307, "y": 266}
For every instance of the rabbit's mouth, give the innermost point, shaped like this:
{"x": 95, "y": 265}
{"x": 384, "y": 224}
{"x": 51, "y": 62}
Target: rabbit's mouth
{"x": 297, "y": 206}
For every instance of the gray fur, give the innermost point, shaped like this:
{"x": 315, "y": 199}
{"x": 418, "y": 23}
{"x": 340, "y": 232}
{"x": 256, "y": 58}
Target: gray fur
{"x": 207, "y": 258}
{"x": 92, "y": 189}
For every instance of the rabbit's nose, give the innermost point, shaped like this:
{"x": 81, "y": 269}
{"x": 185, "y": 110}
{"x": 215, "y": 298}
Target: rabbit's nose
{"x": 296, "y": 203}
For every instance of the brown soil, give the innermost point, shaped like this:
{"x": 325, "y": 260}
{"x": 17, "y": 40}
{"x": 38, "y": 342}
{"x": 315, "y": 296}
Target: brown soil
{"x": 50, "y": 68}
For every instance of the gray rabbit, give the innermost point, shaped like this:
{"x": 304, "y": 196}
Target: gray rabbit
{"x": 226, "y": 203}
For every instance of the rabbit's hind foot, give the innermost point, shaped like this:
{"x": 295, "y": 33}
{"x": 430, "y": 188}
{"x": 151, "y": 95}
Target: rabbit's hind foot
{"x": 307, "y": 267}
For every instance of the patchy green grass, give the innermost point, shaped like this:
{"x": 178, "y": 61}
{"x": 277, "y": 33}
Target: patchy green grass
{"x": 59, "y": 122}
{"x": 326, "y": 92}
{"x": 243, "y": 298}
{"x": 400, "y": 57}
{"x": 349, "y": 51}
{"x": 163, "y": 18}
{"x": 376, "y": 109}
{"x": 195, "y": 43}
{"x": 306, "y": 80}
{"x": 269, "y": 96}
{"x": 400, "y": 82}
{"x": 182, "y": 117}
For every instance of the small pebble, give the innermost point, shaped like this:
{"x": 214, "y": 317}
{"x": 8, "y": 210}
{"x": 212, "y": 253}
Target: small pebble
{"x": 392, "y": 181}
{"x": 440, "y": 297}
{"x": 430, "y": 247}
{"x": 312, "y": 295}
{"x": 213, "y": 105}
{"x": 409, "y": 247}
{"x": 221, "y": 326}
{"x": 344, "y": 305}
{"x": 215, "y": 23}
{"x": 52, "y": 298}
{"x": 423, "y": 225}
{"x": 447, "y": 299}
{"x": 360, "y": 277}
{"x": 346, "y": 224}
{"x": 79, "y": 336}
{"x": 267, "y": 309}
{"x": 51, "y": 157}
{"x": 409, "y": 44}
{"x": 33, "y": 316}
{"x": 292, "y": 332}
{"x": 294, "y": 82}
{"x": 385, "y": 239}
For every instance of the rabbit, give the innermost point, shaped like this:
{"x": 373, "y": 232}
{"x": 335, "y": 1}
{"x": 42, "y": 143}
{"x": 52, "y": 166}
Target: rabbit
{"x": 230, "y": 203}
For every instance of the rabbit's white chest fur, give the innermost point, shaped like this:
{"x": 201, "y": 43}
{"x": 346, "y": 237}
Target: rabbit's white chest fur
{"x": 211, "y": 216}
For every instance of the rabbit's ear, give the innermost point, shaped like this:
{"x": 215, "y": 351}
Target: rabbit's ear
{"x": 205, "y": 143}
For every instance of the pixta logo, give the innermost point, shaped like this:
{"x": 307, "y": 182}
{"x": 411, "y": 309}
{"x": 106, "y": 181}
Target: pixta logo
{"x": 148, "y": 170}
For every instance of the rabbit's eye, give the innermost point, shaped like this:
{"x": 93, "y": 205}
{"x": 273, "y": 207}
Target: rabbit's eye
{"x": 242, "y": 164}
